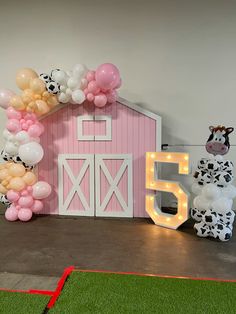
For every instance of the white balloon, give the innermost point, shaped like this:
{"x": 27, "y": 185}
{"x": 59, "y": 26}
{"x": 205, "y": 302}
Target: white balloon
{"x": 68, "y": 91}
{"x": 73, "y": 82}
{"x": 211, "y": 191}
{"x": 31, "y": 153}
{"x": 83, "y": 83}
{"x": 79, "y": 70}
{"x": 22, "y": 137}
{"x": 201, "y": 203}
{"x": 60, "y": 77}
{"x": 196, "y": 188}
{"x": 11, "y": 148}
{"x": 78, "y": 96}
{"x": 6, "y": 134}
{"x": 63, "y": 88}
{"x": 222, "y": 204}
{"x": 64, "y": 98}
{"x": 229, "y": 191}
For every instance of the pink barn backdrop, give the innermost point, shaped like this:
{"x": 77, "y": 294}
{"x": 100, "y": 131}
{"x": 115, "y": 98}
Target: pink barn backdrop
{"x": 81, "y": 172}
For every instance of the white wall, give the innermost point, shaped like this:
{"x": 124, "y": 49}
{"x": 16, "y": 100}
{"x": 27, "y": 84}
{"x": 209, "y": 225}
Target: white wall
{"x": 177, "y": 58}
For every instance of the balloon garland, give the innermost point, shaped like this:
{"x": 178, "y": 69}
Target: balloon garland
{"x": 213, "y": 186}
{"x": 19, "y": 189}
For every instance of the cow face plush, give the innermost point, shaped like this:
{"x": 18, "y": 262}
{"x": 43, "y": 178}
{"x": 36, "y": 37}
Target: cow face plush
{"x": 218, "y": 141}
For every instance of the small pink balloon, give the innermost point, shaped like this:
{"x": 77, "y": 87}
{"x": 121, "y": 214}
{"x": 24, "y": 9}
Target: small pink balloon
{"x": 5, "y": 97}
{"x": 90, "y": 76}
{"x": 13, "y": 125}
{"x": 34, "y": 130}
{"x": 93, "y": 88}
{"x": 37, "y": 206}
{"x": 86, "y": 92}
{"x": 26, "y": 201}
{"x": 24, "y": 126}
{"x": 111, "y": 96}
{"x": 11, "y": 213}
{"x": 107, "y": 76}
{"x": 29, "y": 189}
{"x": 29, "y": 122}
{"x": 18, "y": 207}
{"x": 100, "y": 100}
{"x": 90, "y": 97}
{"x": 25, "y": 214}
{"x": 13, "y": 113}
{"x": 24, "y": 192}
{"x": 13, "y": 196}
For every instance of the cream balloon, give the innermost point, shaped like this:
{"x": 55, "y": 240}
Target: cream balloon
{"x": 41, "y": 190}
{"x": 24, "y": 76}
{"x": 31, "y": 153}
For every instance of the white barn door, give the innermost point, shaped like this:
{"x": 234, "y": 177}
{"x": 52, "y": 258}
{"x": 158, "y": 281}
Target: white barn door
{"x": 76, "y": 184}
{"x": 113, "y": 186}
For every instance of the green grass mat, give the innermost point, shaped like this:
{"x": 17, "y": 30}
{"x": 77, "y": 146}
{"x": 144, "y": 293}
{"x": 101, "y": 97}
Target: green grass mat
{"x": 22, "y": 303}
{"x": 113, "y": 293}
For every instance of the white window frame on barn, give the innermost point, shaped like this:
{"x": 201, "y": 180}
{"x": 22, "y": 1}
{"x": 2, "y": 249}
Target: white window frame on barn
{"x": 83, "y": 137}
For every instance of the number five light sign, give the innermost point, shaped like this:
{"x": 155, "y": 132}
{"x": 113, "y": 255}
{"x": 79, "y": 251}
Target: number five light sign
{"x": 160, "y": 218}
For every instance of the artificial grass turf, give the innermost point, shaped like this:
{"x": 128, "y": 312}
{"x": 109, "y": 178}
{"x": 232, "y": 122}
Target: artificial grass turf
{"x": 22, "y": 303}
{"x": 113, "y": 293}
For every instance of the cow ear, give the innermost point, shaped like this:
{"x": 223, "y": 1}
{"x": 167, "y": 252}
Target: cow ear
{"x": 211, "y": 128}
{"x": 229, "y": 130}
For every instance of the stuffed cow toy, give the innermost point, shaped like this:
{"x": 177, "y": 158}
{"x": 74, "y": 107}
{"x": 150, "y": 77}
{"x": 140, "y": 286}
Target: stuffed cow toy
{"x": 212, "y": 206}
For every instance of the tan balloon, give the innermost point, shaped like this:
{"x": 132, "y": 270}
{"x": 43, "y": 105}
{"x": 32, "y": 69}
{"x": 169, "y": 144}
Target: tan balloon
{"x": 17, "y": 170}
{"x": 37, "y": 86}
{"x": 42, "y": 107}
{"x": 24, "y": 76}
{"x": 17, "y": 102}
{"x": 3, "y": 190}
{"x": 52, "y": 101}
{"x": 29, "y": 178}
{"x": 3, "y": 174}
{"x": 17, "y": 184}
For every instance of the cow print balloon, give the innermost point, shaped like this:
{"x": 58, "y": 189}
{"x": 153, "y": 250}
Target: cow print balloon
{"x": 212, "y": 166}
{"x": 202, "y": 163}
{"x": 18, "y": 160}
{"x": 45, "y": 77}
{"x": 222, "y": 179}
{"x": 202, "y": 177}
{"x": 6, "y": 156}
{"x": 4, "y": 200}
{"x": 52, "y": 87}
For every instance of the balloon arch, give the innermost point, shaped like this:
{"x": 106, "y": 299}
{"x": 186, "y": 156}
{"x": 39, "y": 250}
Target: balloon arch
{"x": 19, "y": 188}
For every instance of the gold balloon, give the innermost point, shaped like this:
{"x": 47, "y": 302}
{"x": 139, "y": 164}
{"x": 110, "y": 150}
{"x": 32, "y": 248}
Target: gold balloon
{"x": 37, "y": 86}
{"x": 42, "y": 107}
{"x": 17, "y": 184}
{"x": 29, "y": 178}
{"x": 17, "y": 102}
{"x": 17, "y": 170}
{"x": 27, "y": 96}
{"x": 24, "y": 76}
{"x": 52, "y": 101}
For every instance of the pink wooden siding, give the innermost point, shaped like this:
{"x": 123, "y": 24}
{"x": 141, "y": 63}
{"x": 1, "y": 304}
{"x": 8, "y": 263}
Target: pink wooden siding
{"x": 132, "y": 133}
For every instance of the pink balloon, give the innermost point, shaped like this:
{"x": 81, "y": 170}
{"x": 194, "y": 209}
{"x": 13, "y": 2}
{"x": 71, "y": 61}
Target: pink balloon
{"x": 90, "y": 76}
{"x": 111, "y": 96}
{"x": 5, "y": 97}
{"x": 119, "y": 84}
{"x": 107, "y": 76}
{"x": 24, "y": 126}
{"x": 93, "y": 88}
{"x": 13, "y": 113}
{"x": 34, "y": 130}
{"x": 90, "y": 97}
{"x": 100, "y": 100}
{"x": 13, "y": 196}
{"x": 24, "y": 192}
{"x": 11, "y": 213}
{"x": 37, "y": 206}
{"x": 41, "y": 190}
{"x": 86, "y": 92}
{"x": 13, "y": 125}
{"x": 25, "y": 214}
{"x": 26, "y": 201}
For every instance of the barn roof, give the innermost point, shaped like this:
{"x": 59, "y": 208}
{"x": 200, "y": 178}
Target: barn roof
{"x": 130, "y": 105}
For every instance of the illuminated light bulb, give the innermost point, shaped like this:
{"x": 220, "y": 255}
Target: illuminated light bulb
{"x": 180, "y": 217}
{"x": 186, "y": 157}
{"x": 152, "y": 155}
{"x": 185, "y": 204}
{"x": 180, "y": 192}
{"x": 167, "y": 186}
{"x": 168, "y": 157}
{"x": 167, "y": 219}
{"x": 151, "y": 198}
{"x": 152, "y": 183}
{"x": 152, "y": 169}
{"x": 185, "y": 168}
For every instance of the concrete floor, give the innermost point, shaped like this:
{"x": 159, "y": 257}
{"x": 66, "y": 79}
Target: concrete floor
{"x": 48, "y": 244}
